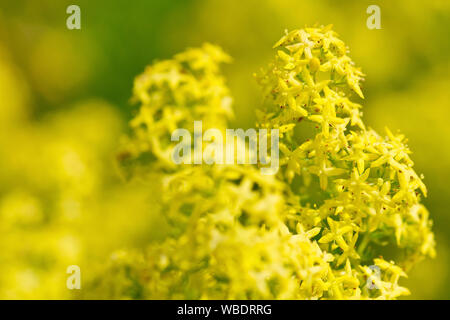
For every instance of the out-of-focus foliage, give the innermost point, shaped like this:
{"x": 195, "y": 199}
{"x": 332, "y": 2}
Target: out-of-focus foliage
{"x": 48, "y": 73}
{"x": 60, "y": 194}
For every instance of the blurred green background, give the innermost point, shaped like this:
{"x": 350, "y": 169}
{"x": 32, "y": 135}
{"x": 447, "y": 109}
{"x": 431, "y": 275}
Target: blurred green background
{"x": 64, "y": 104}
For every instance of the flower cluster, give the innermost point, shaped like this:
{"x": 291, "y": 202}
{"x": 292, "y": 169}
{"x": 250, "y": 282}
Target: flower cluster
{"x": 368, "y": 198}
{"x": 173, "y": 94}
{"x": 344, "y": 198}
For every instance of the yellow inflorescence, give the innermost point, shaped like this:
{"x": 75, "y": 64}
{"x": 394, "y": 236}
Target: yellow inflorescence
{"x": 342, "y": 200}
{"x": 175, "y": 93}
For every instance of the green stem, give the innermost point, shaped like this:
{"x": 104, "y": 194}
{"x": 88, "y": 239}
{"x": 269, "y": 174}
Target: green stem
{"x": 363, "y": 244}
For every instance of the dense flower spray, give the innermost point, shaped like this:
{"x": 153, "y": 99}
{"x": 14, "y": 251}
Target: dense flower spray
{"x": 344, "y": 198}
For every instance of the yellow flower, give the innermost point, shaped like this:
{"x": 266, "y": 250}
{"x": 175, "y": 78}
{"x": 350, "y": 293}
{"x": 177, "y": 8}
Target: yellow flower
{"x": 236, "y": 234}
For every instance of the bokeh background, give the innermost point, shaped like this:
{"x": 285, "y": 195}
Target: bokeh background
{"x": 64, "y": 106}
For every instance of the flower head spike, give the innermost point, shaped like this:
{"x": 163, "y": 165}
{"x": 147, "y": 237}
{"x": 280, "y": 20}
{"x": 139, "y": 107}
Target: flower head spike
{"x": 369, "y": 190}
